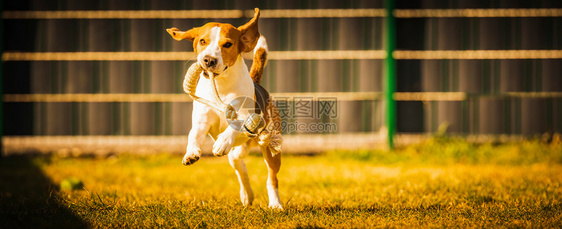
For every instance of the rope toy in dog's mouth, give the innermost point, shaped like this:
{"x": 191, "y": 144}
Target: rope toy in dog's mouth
{"x": 252, "y": 126}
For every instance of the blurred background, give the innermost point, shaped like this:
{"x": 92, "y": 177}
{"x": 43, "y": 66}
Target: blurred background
{"x": 325, "y": 68}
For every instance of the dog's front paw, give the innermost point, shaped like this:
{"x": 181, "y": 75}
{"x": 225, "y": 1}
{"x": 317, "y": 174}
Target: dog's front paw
{"x": 191, "y": 156}
{"x": 223, "y": 144}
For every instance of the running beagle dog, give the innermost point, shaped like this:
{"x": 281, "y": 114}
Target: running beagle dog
{"x": 218, "y": 47}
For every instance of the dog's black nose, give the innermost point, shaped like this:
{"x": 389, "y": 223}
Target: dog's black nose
{"x": 209, "y": 61}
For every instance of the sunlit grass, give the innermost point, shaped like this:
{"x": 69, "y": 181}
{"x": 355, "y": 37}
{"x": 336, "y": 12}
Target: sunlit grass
{"x": 445, "y": 182}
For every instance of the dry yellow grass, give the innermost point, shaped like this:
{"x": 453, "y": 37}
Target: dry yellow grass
{"x": 404, "y": 188}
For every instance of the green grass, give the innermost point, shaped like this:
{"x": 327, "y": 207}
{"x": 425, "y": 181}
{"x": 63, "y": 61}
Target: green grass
{"x": 444, "y": 182}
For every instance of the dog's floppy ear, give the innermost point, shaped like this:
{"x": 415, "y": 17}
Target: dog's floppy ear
{"x": 180, "y": 35}
{"x": 250, "y": 33}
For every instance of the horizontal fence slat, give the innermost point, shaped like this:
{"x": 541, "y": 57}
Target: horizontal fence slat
{"x": 280, "y": 13}
{"x": 319, "y": 13}
{"x": 343, "y": 96}
{"x": 477, "y": 54}
{"x": 288, "y": 55}
{"x": 308, "y": 143}
{"x": 296, "y": 144}
{"x": 325, "y": 55}
{"x": 421, "y": 13}
{"x": 96, "y": 98}
{"x": 340, "y": 96}
{"x": 123, "y": 14}
{"x": 193, "y": 14}
{"x": 96, "y": 56}
{"x": 160, "y": 56}
{"x": 429, "y": 96}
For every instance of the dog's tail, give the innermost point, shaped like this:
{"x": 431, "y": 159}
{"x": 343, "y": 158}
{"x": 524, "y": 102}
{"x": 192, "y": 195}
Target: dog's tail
{"x": 260, "y": 60}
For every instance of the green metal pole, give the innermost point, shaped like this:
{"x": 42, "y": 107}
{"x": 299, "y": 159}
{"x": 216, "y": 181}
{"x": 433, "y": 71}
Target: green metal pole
{"x": 390, "y": 71}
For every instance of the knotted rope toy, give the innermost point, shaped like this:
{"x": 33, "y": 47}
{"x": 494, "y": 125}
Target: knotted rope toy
{"x": 252, "y": 126}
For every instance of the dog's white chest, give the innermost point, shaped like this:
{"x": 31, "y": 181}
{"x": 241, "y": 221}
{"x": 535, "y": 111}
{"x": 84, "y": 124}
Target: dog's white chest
{"x": 233, "y": 86}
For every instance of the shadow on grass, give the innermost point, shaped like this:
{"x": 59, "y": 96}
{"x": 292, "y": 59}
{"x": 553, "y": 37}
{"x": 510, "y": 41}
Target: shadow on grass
{"x": 29, "y": 199}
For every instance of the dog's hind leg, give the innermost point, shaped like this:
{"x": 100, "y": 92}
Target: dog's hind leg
{"x": 273, "y": 163}
{"x": 235, "y": 159}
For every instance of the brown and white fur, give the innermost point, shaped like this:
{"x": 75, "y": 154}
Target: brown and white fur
{"x": 218, "y": 47}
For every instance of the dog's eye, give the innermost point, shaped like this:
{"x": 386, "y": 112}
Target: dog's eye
{"x": 227, "y": 44}
{"x": 202, "y": 42}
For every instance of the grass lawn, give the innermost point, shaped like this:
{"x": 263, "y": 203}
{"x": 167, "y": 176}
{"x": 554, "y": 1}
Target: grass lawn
{"x": 444, "y": 182}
